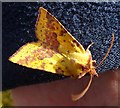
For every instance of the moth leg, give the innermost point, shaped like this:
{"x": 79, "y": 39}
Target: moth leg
{"x": 81, "y": 75}
{"x": 78, "y": 96}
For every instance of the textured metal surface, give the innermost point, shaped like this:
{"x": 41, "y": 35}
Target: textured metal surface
{"x": 85, "y": 21}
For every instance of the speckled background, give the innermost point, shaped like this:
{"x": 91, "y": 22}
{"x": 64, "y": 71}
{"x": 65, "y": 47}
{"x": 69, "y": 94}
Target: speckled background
{"x": 85, "y": 21}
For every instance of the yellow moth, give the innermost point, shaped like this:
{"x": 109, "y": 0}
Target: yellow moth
{"x": 56, "y": 51}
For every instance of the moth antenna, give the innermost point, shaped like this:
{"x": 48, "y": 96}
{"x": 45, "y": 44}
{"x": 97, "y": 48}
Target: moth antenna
{"x": 107, "y": 52}
{"x": 78, "y": 96}
{"x": 90, "y": 45}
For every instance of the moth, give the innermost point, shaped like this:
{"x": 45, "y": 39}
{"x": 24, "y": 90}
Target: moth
{"x": 57, "y": 51}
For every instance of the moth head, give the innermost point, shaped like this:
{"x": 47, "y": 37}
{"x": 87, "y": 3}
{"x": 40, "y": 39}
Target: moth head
{"x": 92, "y": 71}
{"x": 93, "y": 68}
{"x": 89, "y": 68}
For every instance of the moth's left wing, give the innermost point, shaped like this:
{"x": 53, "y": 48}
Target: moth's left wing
{"x": 38, "y": 55}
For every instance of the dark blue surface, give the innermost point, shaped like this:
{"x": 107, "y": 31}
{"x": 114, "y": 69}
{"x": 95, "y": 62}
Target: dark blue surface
{"x": 85, "y": 21}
